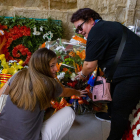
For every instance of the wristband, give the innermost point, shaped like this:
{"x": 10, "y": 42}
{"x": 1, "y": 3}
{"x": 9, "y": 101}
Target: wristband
{"x": 84, "y": 76}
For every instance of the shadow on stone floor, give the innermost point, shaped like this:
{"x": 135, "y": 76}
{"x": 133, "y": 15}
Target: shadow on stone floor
{"x": 87, "y": 127}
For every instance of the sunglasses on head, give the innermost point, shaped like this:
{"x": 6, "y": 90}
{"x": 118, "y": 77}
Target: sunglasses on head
{"x": 79, "y": 28}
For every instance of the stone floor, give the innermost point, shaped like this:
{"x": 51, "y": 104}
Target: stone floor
{"x": 87, "y": 127}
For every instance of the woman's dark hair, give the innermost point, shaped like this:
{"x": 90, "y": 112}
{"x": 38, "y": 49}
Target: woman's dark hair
{"x": 85, "y": 14}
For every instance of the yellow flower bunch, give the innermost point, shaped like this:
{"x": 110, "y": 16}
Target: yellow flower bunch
{"x": 8, "y": 68}
{"x": 11, "y": 68}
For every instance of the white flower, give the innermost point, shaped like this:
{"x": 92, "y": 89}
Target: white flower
{"x": 48, "y": 35}
{"x": 0, "y": 70}
{"x": 134, "y": 111}
{"x": 131, "y": 117}
{"x": 45, "y": 35}
{"x": 61, "y": 75}
{"x": 60, "y": 48}
{"x": 51, "y": 34}
{"x": 136, "y": 137}
{"x": 73, "y": 76}
{"x": 74, "y": 42}
{"x": 41, "y": 28}
{"x": 135, "y": 120}
{"x": 25, "y": 66}
{"x": 36, "y": 32}
{"x": 12, "y": 61}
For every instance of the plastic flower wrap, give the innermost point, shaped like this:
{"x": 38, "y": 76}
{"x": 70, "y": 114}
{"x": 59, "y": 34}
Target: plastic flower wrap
{"x": 69, "y": 63}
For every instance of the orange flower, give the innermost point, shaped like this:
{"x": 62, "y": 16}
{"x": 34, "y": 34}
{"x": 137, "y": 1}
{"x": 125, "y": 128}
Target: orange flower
{"x": 78, "y": 68}
{"x": 70, "y": 72}
{"x": 81, "y": 54}
{"x": 72, "y": 54}
{"x": 58, "y": 66}
{"x": 77, "y": 52}
{"x": 82, "y": 40}
{"x": 43, "y": 45}
{"x": 65, "y": 69}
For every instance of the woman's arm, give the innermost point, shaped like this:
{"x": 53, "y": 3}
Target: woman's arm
{"x": 88, "y": 67}
{"x": 68, "y": 92}
{"x": 3, "y": 88}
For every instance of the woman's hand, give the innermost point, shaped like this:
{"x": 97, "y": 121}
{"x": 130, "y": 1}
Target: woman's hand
{"x": 79, "y": 76}
{"x": 88, "y": 67}
{"x": 83, "y": 93}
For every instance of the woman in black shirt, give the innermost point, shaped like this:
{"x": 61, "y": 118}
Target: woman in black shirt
{"x": 103, "y": 40}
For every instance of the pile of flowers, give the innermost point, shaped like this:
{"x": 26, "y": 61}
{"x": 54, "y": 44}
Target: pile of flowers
{"x": 20, "y": 37}
{"x": 70, "y": 61}
{"x": 69, "y": 65}
{"x": 133, "y": 132}
{"x": 7, "y": 69}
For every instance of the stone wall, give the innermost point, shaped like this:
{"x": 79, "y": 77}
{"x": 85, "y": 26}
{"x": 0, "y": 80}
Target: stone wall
{"x": 124, "y": 11}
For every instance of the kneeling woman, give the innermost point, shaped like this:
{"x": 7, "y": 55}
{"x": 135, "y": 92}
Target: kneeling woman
{"x": 30, "y": 92}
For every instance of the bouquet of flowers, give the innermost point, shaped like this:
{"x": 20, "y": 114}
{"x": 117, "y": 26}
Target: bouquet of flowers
{"x": 70, "y": 61}
{"x": 7, "y": 69}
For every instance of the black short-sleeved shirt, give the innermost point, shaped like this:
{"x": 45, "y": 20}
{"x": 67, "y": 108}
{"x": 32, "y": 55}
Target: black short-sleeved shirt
{"x": 102, "y": 44}
{"x": 19, "y": 124}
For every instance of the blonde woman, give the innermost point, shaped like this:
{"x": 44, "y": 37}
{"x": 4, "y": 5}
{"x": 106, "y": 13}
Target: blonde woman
{"x": 29, "y": 94}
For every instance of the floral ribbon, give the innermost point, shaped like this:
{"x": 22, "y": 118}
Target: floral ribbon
{"x": 56, "y": 105}
{"x": 4, "y": 77}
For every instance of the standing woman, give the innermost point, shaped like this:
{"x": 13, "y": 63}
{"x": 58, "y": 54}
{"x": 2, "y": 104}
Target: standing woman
{"x": 29, "y": 94}
{"x": 103, "y": 40}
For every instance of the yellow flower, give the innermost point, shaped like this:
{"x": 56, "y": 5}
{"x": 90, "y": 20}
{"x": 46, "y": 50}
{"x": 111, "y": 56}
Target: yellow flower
{"x": 4, "y": 63}
{"x": 15, "y": 71}
{"x": 20, "y": 62}
{"x": 19, "y": 67}
{"x": 11, "y": 70}
{"x": 2, "y": 56}
{"x": 4, "y": 71}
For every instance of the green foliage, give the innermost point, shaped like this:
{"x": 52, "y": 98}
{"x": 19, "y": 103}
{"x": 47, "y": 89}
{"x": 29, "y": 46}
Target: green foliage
{"x": 34, "y": 41}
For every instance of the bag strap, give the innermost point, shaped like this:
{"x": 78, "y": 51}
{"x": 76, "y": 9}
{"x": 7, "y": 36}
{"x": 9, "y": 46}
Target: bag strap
{"x": 118, "y": 55}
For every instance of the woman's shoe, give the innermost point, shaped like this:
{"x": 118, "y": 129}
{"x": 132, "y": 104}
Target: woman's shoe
{"x": 102, "y": 116}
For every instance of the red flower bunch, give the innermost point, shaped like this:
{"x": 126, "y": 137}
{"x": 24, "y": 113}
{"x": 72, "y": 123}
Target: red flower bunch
{"x": 72, "y": 83}
{"x": 129, "y": 134}
{"x": 3, "y": 27}
{"x": 13, "y": 34}
{"x": 23, "y": 50}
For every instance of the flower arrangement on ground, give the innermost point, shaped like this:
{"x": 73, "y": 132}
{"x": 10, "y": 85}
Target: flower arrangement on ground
{"x": 7, "y": 69}
{"x": 70, "y": 62}
{"x": 20, "y": 37}
{"x": 133, "y": 132}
